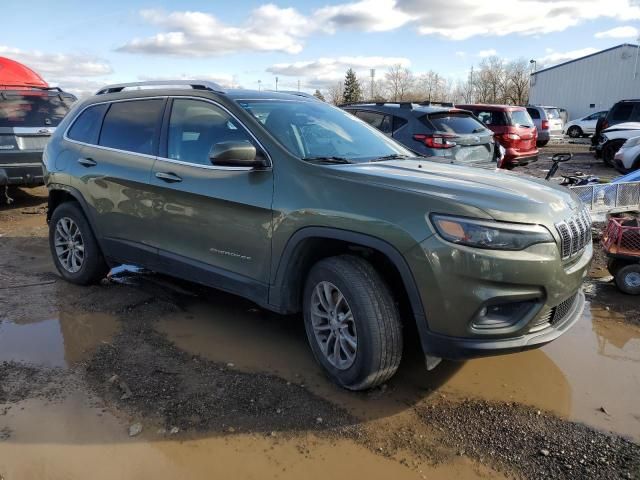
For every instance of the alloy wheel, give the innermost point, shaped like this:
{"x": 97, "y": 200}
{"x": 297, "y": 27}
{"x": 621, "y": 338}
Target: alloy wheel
{"x": 69, "y": 245}
{"x": 333, "y": 325}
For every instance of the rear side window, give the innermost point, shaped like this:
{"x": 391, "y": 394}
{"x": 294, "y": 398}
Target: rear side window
{"x": 35, "y": 110}
{"x": 521, "y": 118}
{"x": 621, "y": 112}
{"x": 399, "y": 122}
{"x": 379, "y": 120}
{"x": 132, "y": 125}
{"x": 86, "y": 127}
{"x": 552, "y": 113}
{"x": 458, "y": 123}
{"x": 492, "y": 118}
{"x": 534, "y": 113}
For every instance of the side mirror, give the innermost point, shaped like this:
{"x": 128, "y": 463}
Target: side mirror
{"x": 235, "y": 154}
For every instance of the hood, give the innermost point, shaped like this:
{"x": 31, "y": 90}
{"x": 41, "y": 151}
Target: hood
{"x": 623, "y": 126}
{"x": 502, "y": 195}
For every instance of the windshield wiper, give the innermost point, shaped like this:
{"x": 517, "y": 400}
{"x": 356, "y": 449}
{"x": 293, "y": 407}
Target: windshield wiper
{"x": 335, "y": 160}
{"x": 393, "y": 156}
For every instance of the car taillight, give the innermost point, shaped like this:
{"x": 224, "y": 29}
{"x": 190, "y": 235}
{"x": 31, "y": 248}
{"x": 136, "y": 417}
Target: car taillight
{"x": 436, "y": 140}
{"x": 605, "y": 124}
{"x": 545, "y": 124}
{"x": 509, "y": 138}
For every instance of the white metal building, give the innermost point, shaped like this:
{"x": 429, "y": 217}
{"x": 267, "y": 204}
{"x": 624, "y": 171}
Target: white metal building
{"x": 589, "y": 84}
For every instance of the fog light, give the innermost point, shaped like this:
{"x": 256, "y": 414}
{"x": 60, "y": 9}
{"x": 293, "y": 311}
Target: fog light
{"x": 502, "y": 315}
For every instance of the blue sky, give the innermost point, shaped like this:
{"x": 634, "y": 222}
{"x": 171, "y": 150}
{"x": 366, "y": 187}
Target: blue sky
{"x": 81, "y": 45}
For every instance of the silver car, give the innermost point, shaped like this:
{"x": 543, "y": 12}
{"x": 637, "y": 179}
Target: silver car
{"x": 548, "y": 122}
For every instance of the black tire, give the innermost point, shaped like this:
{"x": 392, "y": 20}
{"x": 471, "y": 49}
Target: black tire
{"x": 610, "y": 149}
{"x": 542, "y": 143}
{"x": 615, "y": 264}
{"x": 93, "y": 267}
{"x": 376, "y": 317}
{"x": 575, "y": 132}
{"x": 628, "y": 279}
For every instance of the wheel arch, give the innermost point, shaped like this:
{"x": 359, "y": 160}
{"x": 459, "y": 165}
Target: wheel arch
{"x": 311, "y": 244}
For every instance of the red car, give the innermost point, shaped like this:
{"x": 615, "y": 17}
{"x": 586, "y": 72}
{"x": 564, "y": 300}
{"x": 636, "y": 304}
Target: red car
{"x": 513, "y": 128}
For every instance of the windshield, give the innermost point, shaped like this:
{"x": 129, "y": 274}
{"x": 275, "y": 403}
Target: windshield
{"x": 521, "y": 118}
{"x": 29, "y": 110}
{"x": 552, "y": 113}
{"x": 312, "y": 130}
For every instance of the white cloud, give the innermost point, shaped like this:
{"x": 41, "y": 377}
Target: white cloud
{"x": 487, "y": 53}
{"x": 468, "y": 18}
{"x": 365, "y": 15}
{"x": 79, "y": 74}
{"x": 268, "y": 28}
{"x": 553, "y": 58}
{"x": 322, "y": 72}
{"x": 461, "y": 54}
{"x": 620, "y": 32}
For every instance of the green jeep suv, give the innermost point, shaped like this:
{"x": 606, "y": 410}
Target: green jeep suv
{"x": 302, "y": 207}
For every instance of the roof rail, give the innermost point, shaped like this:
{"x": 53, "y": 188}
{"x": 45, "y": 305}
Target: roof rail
{"x": 428, "y": 103}
{"x": 402, "y": 104}
{"x": 195, "y": 84}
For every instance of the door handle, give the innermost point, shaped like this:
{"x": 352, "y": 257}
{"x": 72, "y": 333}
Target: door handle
{"x": 168, "y": 177}
{"x": 87, "y": 162}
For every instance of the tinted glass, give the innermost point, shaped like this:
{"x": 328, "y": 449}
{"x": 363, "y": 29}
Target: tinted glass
{"x": 552, "y": 113}
{"x": 196, "y": 126}
{"x": 533, "y": 113}
{"x": 521, "y": 118}
{"x": 621, "y": 112}
{"x": 399, "y": 122}
{"x": 378, "y": 120}
{"x": 86, "y": 127}
{"x": 34, "y": 110}
{"x": 314, "y": 129}
{"x": 492, "y": 118}
{"x": 458, "y": 123}
{"x": 132, "y": 125}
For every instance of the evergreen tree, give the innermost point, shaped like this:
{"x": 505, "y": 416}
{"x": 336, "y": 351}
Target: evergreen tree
{"x": 318, "y": 95}
{"x": 352, "y": 89}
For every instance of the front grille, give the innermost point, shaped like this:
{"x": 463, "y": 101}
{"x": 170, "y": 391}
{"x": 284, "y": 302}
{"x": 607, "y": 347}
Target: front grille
{"x": 575, "y": 234}
{"x": 554, "y": 315}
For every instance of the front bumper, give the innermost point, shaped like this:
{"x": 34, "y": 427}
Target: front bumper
{"x": 456, "y": 283}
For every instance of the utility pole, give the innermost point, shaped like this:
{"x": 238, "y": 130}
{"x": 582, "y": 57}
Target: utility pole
{"x": 298, "y": 84}
{"x": 372, "y": 72}
{"x": 276, "y": 84}
{"x": 472, "y": 99}
{"x": 259, "y": 85}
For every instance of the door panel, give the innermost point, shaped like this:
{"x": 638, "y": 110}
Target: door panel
{"x": 212, "y": 218}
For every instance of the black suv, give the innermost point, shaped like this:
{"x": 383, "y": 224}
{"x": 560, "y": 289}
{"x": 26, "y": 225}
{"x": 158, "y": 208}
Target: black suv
{"x": 435, "y": 130}
{"x": 28, "y": 117}
{"x": 622, "y": 112}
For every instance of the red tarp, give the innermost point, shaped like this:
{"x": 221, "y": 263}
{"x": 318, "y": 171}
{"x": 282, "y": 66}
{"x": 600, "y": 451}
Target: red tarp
{"x": 15, "y": 75}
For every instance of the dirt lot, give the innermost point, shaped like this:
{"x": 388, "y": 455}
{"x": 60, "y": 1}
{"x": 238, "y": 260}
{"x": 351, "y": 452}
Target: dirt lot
{"x": 146, "y": 377}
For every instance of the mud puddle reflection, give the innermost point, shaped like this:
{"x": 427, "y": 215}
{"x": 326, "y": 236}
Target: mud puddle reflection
{"x": 591, "y": 374}
{"x": 56, "y": 342}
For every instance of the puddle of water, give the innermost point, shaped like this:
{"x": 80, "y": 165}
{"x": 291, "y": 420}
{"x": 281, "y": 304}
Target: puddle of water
{"x": 71, "y": 439}
{"x": 57, "y": 342}
{"x": 596, "y": 364}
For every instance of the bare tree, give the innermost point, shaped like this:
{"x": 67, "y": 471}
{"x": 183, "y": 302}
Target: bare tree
{"x": 518, "y": 82}
{"x": 400, "y": 81}
{"x": 335, "y": 93}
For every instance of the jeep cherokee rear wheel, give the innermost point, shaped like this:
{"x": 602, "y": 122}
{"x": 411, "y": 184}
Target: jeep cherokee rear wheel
{"x": 74, "y": 249}
{"x": 352, "y": 322}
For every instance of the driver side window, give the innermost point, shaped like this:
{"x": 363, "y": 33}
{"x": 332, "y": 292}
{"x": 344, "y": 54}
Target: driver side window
{"x": 196, "y": 126}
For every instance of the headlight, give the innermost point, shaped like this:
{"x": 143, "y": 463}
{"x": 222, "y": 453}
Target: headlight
{"x": 489, "y": 234}
{"x": 632, "y": 142}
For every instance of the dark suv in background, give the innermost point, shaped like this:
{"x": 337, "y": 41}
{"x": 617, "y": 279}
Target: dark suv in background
{"x": 513, "y": 129}
{"x": 621, "y": 112}
{"x": 446, "y": 133}
{"x": 28, "y": 117}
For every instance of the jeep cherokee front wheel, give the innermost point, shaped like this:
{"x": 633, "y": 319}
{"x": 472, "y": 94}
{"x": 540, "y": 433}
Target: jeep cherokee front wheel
{"x": 352, "y": 322}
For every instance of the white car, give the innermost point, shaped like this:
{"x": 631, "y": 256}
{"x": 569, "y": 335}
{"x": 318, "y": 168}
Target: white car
{"x": 614, "y": 137}
{"x": 627, "y": 158}
{"x": 583, "y": 126}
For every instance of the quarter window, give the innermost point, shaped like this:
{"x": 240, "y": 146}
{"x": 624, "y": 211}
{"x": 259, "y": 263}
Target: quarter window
{"x": 196, "y": 126}
{"x": 132, "y": 125}
{"x": 534, "y": 113}
{"x": 378, "y": 120}
{"x": 86, "y": 128}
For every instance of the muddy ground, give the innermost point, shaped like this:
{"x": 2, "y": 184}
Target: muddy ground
{"x": 147, "y": 377}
